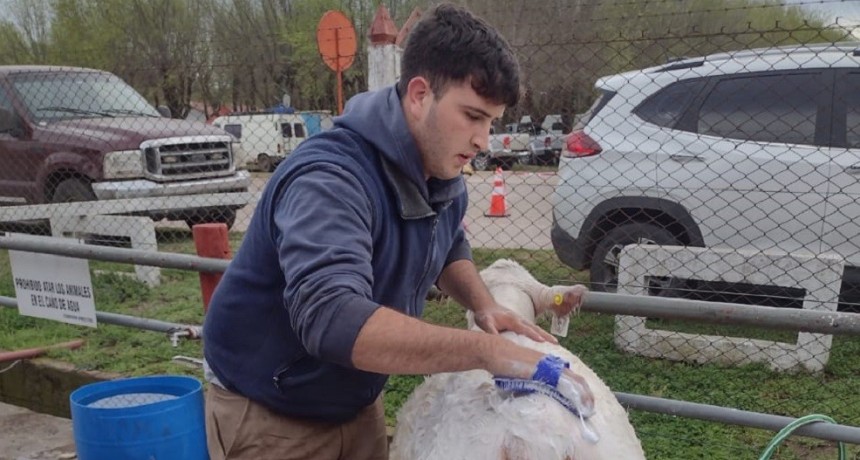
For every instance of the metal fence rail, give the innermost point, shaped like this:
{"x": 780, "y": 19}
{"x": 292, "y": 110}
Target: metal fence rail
{"x": 724, "y": 313}
{"x": 174, "y": 331}
{"x": 828, "y": 431}
{"x": 64, "y": 247}
{"x": 704, "y": 124}
{"x": 598, "y": 302}
{"x": 620, "y": 304}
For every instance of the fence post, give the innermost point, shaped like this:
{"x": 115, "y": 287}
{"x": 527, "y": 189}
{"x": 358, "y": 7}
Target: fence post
{"x": 210, "y": 241}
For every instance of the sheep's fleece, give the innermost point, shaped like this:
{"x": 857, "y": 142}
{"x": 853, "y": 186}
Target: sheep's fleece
{"x": 463, "y": 416}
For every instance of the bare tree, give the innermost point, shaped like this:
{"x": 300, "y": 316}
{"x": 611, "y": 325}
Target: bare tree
{"x": 32, "y": 18}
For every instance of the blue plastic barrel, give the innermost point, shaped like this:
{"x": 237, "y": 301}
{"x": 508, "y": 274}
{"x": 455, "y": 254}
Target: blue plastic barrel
{"x": 146, "y": 418}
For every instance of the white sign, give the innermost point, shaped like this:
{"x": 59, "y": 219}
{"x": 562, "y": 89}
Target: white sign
{"x": 53, "y": 287}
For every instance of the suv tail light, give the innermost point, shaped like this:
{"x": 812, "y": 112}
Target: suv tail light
{"x": 547, "y": 142}
{"x": 579, "y": 144}
{"x": 506, "y": 142}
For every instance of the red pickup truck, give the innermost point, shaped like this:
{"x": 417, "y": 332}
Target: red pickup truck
{"x": 74, "y": 134}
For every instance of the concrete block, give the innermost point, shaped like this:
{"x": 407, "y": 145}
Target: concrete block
{"x": 819, "y": 275}
{"x": 141, "y": 231}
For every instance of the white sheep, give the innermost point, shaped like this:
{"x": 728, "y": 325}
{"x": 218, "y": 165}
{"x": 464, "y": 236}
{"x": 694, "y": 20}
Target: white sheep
{"x": 463, "y": 415}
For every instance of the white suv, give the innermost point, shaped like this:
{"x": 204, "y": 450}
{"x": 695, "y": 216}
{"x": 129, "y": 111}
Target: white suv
{"x": 755, "y": 149}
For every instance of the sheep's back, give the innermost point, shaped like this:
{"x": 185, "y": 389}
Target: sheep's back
{"x": 463, "y": 415}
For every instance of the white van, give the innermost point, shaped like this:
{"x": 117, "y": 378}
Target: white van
{"x": 264, "y": 138}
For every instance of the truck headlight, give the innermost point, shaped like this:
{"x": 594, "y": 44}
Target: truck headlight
{"x": 237, "y": 155}
{"x": 125, "y": 164}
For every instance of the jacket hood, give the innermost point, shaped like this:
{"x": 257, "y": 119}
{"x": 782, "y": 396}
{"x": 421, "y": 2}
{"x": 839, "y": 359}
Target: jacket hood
{"x": 377, "y": 116}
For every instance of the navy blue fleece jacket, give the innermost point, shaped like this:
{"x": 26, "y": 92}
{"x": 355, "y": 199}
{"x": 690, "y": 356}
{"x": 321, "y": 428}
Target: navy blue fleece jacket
{"x": 345, "y": 224}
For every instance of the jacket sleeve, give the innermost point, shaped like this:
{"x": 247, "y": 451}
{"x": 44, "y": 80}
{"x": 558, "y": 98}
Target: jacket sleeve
{"x": 460, "y": 247}
{"x": 323, "y": 236}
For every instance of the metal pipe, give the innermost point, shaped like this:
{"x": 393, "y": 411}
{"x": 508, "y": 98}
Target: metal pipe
{"x": 109, "y": 254}
{"x": 10, "y": 302}
{"x": 828, "y": 431}
{"x": 139, "y": 323}
{"x": 28, "y": 353}
{"x": 825, "y": 322}
{"x": 777, "y": 318}
{"x": 126, "y": 320}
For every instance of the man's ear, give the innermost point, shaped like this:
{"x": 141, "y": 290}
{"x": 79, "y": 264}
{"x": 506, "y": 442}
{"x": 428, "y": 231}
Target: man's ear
{"x": 418, "y": 95}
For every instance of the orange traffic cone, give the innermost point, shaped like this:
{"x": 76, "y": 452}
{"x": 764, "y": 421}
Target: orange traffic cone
{"x": 498, "y": 208}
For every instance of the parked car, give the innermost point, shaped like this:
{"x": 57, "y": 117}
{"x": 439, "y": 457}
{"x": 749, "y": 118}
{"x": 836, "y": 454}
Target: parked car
{"x": 545, "y": 148}
{"x": 755, "y": 149}
{"x": 74, "y": 134}
{"x": 266, "y": 138}
{"x": 317, "y": 121}
{"x": 505, "y": 149}
{"x": 547, "y": 141}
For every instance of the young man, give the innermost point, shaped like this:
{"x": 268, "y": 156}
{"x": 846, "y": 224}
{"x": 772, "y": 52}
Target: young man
{"x": 321, "y": 302}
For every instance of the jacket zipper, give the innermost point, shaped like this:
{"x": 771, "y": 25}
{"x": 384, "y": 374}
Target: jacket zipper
{"x": 276, "y": 379}
{"x": 428, "y": 261}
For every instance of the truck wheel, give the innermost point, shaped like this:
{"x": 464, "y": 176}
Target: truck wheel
{"x": 71, "y": 190}
{"x": 481, "y": 162}
{"x": 265, "y": 162}
{"x": 604, "y": 262}
{"x": 212, "y": 216}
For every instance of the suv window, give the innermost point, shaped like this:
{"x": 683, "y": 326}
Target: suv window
{"x": 286, "y": 130}
{"x": 528, "y": 128}
{"x": 62, "y": 95}
{"x": 766, "y": 108}
{"x": 852, "y": 109}
{"x": 5, "y": 102}
{"x": 299, "y": 130}
{"x": 665, "y": 107}
{"x": 234, "y": 130}
{"x": 7, "y": 125}
{"x": 598, "y": 104}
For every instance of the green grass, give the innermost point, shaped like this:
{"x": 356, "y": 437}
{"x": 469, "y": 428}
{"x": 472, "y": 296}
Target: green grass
{"x": 751, "y": 332}
{"x": 833, "y": 392}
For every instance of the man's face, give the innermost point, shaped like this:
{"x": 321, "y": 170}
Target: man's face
{"x": 452, "y": 129}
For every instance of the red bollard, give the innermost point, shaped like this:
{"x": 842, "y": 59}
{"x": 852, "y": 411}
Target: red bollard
{"x": 210, "y": 241}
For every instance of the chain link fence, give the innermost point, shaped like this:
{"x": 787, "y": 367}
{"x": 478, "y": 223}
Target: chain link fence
{"x": 721, "y": 139}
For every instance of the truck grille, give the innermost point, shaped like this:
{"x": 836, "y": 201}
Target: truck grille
{"x": 192, "y": 157}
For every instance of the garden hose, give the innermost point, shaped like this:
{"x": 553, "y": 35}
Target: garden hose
{"x": 786, "y": 432}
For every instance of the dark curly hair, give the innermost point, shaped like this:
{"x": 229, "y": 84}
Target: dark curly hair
{"x": 450, "y": 44}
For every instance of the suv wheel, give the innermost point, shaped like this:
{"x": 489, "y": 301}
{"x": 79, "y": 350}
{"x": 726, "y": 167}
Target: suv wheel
{"x": 265, "y": 163}
{"x": 604, "y": 265}
{"x": 217, "y": 216}
{"x": 71, "y": 190}
{"x": 481, "y": 162}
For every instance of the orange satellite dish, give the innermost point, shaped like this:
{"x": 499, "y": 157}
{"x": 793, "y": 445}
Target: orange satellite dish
{"x": 337, "y": 44}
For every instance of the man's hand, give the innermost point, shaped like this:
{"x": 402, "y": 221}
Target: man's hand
{"x": 575, "y": 388}
{"x": 556, "y": 373}
{"x": 496, "y": 319}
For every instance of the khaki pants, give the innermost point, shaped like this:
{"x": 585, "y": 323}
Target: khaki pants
{"x": 238, "y": 428}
